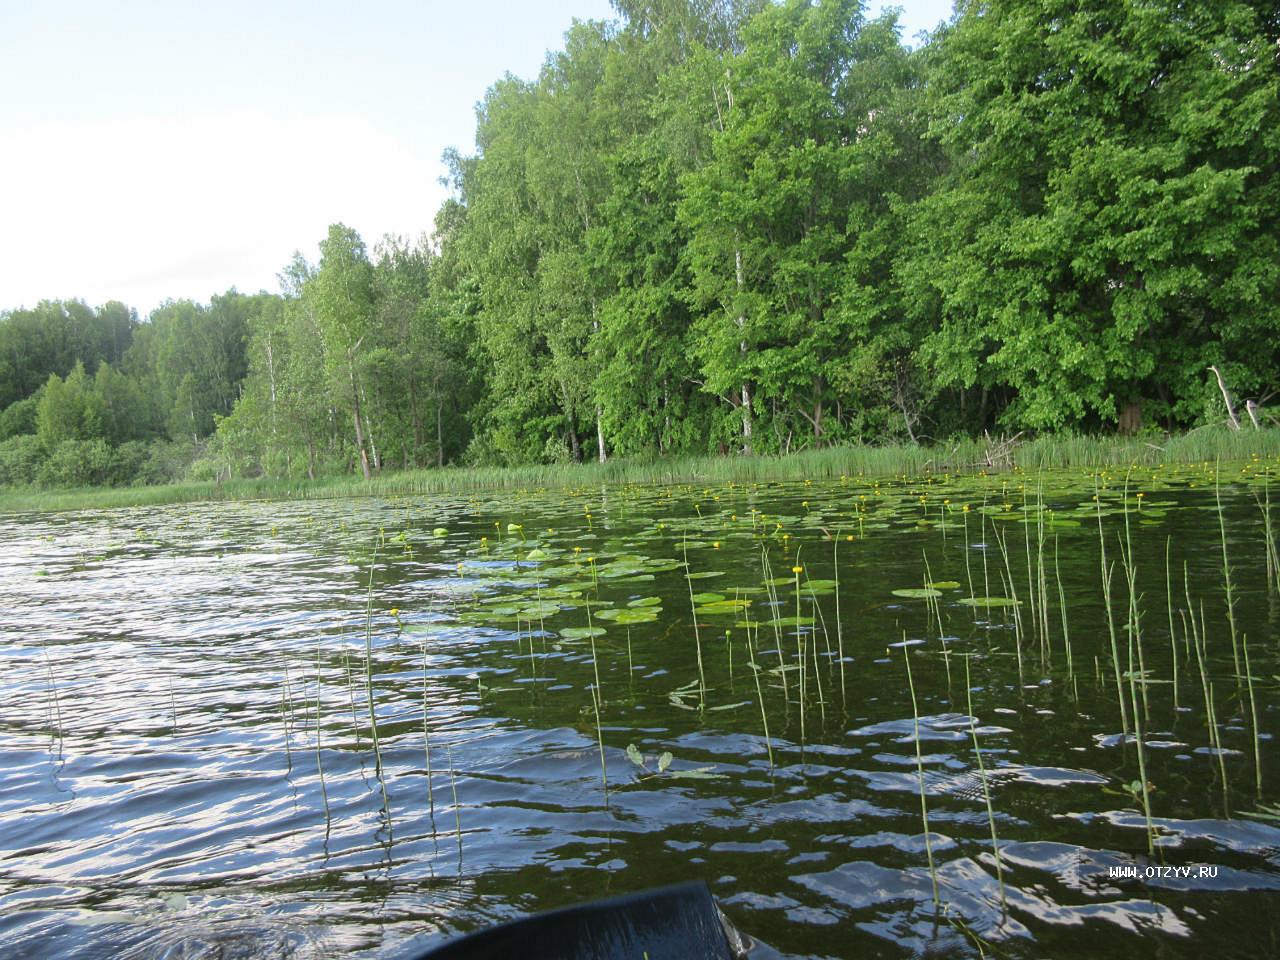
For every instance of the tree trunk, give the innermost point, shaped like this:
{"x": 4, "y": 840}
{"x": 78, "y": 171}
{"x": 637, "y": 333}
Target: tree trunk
{"x": 1226, "y": 398}
{"x": 439, "y": 431}
{"x": 355, "y": 416}
{"x": 817, "y": 408}
{"x": 1131, "y": 418}
{"x": 368, "y": 428}
{"x": 742, "y": 349}
{"x": 575, "y": 445}
{"x": 740, "y": 278}
{"x": 416, "y": 418}
{"x": 600, "y": 436}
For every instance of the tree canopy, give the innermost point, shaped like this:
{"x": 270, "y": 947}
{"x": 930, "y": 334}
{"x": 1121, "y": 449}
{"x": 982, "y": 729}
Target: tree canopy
{"x": 741, "y": 225}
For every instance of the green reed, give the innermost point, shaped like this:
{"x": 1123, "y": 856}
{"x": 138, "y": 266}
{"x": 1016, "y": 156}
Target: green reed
{"x": 1133, "y": 627}
{"x": 457, "y": 813}
{"x": 1270, "y": 547}
{"x": 968, "y": 570}
{"x": 1033, "y": 607}
{"x": 817, "y": 667}
{"x": 426, "y": 739}
{"x": 1062, "y": 606}
{"x": 324, "y": 791}
{"x": 924, "y": 807}
{"x": 1253, "y": 714}
{"x": 1007, "y": 580}
{"x": 1042, "y": 579}
{"x": 1226, "y": 571}
{"x": 596, "y": 694}
{"x": 1168, "y": 592}
{"x": 775, "y": 604}
{"x": 368, "y": 682}
{"x": 368, "y": 670}
{"x": 351, "y": 692}
{"x": 693, "y": 612}
{"x": 286, "y": 714}
{"x": 804, "y": 690}
{"x": 986, "y": 788}
{"x": 53, "y": 695}
{"x": 1137, "y": 673}
{"x": 1199, "y": 640}
{"x": 1107, "y": 571}
{"x": 835, "y": 562}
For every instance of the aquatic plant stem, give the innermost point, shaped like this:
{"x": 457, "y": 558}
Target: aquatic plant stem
{"x": 1062, "y": 606}
{"x": 924, "y": 807}
{"x": 426, "y": 740}
{"x": 1226, "y": 571}
{"x": 53, "y": 693}
{"x": 1168, "y": 593}
{"x": 835, "y": 562}
{"x": 1107, "y": 571}
{"x": 457, "y": 814}
{"x": 595, "y": 703}
{"x": 986, "y": 788}
{"x": 697, "y": 636}
{"x": 324, "y": 791}
{"x": 1253, "y": 713}
{"x": 368, "y": 681}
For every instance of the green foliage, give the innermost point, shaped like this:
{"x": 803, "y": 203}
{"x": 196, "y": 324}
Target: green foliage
{"x": 1107, "y": 227}
{"x": 20, "y": 459}
{"x": 19, "y": 418}
{"x": 53, "y": 337}
{"x": 77, "y": 463}
{"x": 69, "y": 409}
{"x": 743, "y": 225}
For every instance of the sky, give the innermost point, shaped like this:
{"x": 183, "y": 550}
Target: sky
{"x": 165, "y": 149}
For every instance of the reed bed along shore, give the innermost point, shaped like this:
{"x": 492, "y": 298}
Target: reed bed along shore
{"x": 1208, "y": 444}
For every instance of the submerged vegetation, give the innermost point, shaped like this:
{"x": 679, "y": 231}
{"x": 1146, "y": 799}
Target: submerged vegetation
{"x": 756, "y": 227}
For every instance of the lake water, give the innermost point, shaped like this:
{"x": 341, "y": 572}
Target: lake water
{"x": 188, "y": 767}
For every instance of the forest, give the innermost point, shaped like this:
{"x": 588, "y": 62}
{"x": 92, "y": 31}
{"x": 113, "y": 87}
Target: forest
{"x": 740, "y": 227}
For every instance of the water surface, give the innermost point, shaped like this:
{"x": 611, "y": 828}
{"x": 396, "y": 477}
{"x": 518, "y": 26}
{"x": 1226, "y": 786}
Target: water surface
{"x": 187, "y": 764}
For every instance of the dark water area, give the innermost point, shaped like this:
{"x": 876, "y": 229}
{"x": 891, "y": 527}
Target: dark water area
{"x": 188, "y": 767}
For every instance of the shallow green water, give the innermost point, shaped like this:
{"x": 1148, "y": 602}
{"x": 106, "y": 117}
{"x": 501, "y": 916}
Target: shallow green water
{"x": 171, "y": 677}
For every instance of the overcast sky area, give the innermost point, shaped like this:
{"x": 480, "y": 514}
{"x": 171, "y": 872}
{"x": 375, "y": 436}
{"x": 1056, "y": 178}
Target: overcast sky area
{"x": 165, "y": 149}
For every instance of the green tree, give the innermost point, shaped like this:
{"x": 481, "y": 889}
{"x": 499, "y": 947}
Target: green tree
{"x": 1108, "y": 225}
{"x": 340, "y": 298}
{"x": 69, "y": 409}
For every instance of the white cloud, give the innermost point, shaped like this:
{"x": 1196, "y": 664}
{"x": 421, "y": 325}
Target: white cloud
{"x": 151, "y": 208}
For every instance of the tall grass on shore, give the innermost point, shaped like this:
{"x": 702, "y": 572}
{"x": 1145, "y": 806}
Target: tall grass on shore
{"x": 1207, "y": 444}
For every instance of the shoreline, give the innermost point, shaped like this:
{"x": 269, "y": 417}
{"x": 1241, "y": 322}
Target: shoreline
{"x": 967, "y": 456}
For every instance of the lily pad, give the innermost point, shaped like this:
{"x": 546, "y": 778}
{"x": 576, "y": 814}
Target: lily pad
{"x": 581, "y": 633}
{"x": 722, "y": 606}
{"x": 990, "y": 602}
{"x": 917, "y": 593}
{"x": 630, "y": 616}
{"x": 535, "y": 611}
